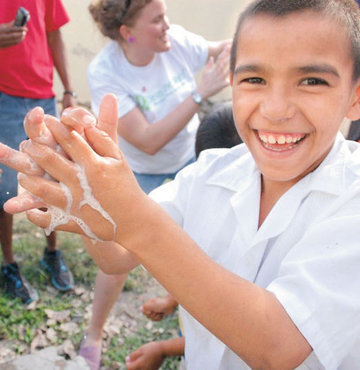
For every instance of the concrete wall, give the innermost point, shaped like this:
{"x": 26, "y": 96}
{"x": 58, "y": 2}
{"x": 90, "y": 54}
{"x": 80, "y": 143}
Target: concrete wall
{"x": 214, "y": 19}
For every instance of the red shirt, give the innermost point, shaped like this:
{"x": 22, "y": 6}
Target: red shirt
{"x": 26, "y": 69}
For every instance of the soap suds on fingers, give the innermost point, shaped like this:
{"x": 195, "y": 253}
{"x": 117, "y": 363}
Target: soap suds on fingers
{"x": 61, "y": 217}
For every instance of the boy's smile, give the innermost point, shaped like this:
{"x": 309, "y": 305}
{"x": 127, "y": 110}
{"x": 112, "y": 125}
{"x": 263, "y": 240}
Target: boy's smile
{"x": 289, "y": 97}
{"x": 279, "y": 142}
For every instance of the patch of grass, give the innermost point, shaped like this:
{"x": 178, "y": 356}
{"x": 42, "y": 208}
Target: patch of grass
{"x": 19, "y": 326}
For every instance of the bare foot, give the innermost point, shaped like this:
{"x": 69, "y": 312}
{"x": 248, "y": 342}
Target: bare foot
{"x": 156, "y": 308}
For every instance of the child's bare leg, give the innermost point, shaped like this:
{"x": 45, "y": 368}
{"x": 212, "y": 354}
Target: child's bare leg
{"x": 107, "y": 290}
{"x": 158, "y": 307}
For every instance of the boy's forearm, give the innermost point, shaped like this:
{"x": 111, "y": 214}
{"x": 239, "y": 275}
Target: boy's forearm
{"x": 173, "y": 347}
{"x": 252, "y": 322}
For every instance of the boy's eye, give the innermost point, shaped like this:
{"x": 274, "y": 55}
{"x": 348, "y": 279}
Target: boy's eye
{"x": 254, "y": 80}
{"x": 313, "y": 81}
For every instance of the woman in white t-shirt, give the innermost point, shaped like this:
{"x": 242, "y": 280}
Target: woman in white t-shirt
{"x": 150, "y": 67}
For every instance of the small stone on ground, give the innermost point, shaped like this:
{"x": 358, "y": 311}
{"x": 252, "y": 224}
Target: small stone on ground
{"x": 48, "y": 359}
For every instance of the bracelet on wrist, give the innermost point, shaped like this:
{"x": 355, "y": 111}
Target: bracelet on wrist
{"x": 69, "y": 92}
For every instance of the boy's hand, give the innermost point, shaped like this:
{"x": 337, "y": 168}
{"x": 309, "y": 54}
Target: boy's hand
{"x": 11, "y": 35}
{"x": 88, "y": 173}
{"x": 110, "y": 179}
{"x": 97, "y": 189}
{"x": 35, "y": 125}
{"x": 147, "y": 357}
{"x": 157, "y": 308}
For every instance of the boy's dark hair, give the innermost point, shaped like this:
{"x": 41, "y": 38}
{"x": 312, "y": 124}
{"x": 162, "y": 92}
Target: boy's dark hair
{"x": 346, "y": 12}
{"x": 354, "y": 131}
{"x": 217, "y": 130}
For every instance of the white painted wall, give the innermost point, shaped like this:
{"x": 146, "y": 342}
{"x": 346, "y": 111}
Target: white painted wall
{"x": 214, "y": 19}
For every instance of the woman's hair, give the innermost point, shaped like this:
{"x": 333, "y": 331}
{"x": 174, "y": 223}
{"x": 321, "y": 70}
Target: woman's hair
{"x": 109, "y": 15}
{"x": 345, "y": 12}
{"x": 217, "y": 129}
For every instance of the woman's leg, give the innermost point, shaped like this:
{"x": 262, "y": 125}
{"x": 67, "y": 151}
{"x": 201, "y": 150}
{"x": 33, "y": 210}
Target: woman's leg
{"x": 107, "y": 290}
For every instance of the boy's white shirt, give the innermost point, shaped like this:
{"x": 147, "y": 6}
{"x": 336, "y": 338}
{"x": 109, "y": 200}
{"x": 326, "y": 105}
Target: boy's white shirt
{"x": 306, "y": 252}
{"x": 157, "y": 89}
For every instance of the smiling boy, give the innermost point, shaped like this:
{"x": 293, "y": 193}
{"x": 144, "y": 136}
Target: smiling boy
{"x": 269, "y": 277}
{"x": 284, "y": 83}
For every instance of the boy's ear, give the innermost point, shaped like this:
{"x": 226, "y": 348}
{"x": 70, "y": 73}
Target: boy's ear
{"x": 354, "y": 111}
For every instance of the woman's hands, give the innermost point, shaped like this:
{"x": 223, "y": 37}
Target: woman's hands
{"x": 215, "y": 75}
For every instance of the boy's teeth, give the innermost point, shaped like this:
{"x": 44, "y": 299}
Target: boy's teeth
{"x": 271, "y": 140}
{"x": 281, "y": 139}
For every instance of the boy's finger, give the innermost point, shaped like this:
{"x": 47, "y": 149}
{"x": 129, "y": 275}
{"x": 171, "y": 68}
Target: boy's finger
{"x": 18, "y": 161}
{"x": 43, "y": 220}
{"x": 102, "y": 143}
{"x": 108, "y": 116}
{"x": 35, "y": 128}
{"x": 73, "y": 144}
{"x": 77, "y": 118}
{"x": 22, "y": 202}
{"x": 46, "y": 191}
{"x": 53, "y": 163}
{"x": 133, "y": 356}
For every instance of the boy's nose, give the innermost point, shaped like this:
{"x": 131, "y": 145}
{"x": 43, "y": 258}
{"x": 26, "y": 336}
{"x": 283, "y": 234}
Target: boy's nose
{"x": 277, "y": 105}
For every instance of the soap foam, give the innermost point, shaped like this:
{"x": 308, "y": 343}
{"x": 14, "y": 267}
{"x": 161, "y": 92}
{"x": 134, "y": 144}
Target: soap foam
{"x": 89, "y": 199}
{"x": 61, "y": 217}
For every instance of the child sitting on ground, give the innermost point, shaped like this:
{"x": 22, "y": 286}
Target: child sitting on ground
{"x": 262, "y": 249}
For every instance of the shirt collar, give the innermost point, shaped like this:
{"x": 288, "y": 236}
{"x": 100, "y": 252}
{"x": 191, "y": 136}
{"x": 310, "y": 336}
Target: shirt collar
{"x": 237, "y": 172}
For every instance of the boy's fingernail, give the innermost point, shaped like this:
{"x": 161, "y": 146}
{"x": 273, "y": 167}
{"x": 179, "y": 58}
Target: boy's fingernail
{"x": 25, "y": 144}
{"x": 127, "y": 359}
{"x": 34, "y": 113}
{"x": 20, "y": 176}
{"x": 89, "y": 120}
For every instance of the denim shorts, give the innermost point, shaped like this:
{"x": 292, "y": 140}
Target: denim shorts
{"x": 12, "y": 112}
{"x": 149, "y": 182}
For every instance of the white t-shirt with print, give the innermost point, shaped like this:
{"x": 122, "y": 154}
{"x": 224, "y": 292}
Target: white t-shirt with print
{"x": 156, "y": 89}
{"x": 306, "y": 252}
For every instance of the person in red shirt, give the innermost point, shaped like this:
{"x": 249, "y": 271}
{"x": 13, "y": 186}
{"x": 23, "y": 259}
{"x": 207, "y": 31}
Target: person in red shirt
{"x": 28, "y": 56}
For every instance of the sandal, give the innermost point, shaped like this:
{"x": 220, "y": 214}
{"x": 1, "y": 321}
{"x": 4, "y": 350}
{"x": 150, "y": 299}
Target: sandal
{"x": 92, "y": 355}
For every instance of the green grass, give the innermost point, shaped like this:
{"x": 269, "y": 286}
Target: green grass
{"x": 19, "y": 325}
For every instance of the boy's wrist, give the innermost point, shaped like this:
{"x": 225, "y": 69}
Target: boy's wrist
{"x": 163, "y": 348}
{"x": 142, "y": 227}
{"x": 172, "y": 302}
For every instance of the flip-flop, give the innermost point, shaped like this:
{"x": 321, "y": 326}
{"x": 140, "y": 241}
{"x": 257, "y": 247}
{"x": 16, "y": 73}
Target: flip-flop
{"x": 92, "y": 355}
